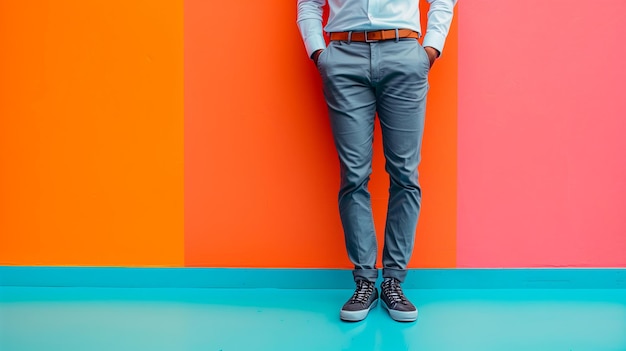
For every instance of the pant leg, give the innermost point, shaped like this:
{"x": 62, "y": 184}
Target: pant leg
{"x": 402, "y": 87}
{"x": 351, "y": 101}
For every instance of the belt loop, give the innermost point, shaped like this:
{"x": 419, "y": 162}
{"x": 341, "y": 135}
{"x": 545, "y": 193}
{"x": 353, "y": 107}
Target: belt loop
{"x": 397, "y": 36}
{"x": 349, "y": 37}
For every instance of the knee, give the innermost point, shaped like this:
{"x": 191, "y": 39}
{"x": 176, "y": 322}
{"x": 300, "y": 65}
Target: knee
{"x": 405, "y": 177}
{"x": 354, "y": 177}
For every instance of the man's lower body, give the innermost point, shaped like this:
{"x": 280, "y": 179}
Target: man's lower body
{"x": 361, "y": 79}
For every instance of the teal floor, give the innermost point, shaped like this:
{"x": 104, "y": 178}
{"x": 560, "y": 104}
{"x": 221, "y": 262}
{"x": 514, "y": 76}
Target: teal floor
{"x": 271, "y": 319}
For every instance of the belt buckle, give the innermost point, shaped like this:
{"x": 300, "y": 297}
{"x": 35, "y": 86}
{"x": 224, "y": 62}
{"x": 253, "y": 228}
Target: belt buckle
{"x": 367, "y": 40}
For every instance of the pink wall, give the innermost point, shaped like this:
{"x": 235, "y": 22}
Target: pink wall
{"x": 542, "y": 144}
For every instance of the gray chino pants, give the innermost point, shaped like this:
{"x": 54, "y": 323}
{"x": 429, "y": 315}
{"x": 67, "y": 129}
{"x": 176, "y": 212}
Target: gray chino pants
{"x": 390, "y": 78}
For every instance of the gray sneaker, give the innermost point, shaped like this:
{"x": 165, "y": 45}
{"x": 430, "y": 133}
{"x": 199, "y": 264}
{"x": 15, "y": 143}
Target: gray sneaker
{"x": 364, "y": 299}
{"x": 394, "y": 301}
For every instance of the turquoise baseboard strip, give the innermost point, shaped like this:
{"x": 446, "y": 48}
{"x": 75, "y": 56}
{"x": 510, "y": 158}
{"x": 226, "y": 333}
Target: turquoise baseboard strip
{"x": 174, "y": 277}
{"x": 536, "y": 278}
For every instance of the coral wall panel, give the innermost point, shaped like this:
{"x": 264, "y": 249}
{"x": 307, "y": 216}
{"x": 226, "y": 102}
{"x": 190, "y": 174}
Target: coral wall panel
{"x": 261, "y": 172}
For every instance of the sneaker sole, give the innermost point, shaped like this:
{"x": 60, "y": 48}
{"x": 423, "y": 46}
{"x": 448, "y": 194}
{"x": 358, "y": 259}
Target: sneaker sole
{"x": 356, "y": 316}
{"x": 401, "y": 316}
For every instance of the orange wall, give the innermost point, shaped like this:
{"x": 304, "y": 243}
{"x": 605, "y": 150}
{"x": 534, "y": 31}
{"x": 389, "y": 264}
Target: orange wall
{"x": 91, "y": 133}
{"x": 93, "y": 154}
{"x": 261, "y": 172}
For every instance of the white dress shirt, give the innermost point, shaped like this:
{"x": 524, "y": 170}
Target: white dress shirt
{"x": 362, "y": 15}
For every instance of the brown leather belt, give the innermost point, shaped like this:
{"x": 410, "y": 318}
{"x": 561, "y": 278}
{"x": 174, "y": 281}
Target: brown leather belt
{"x": 376, "y": 35}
